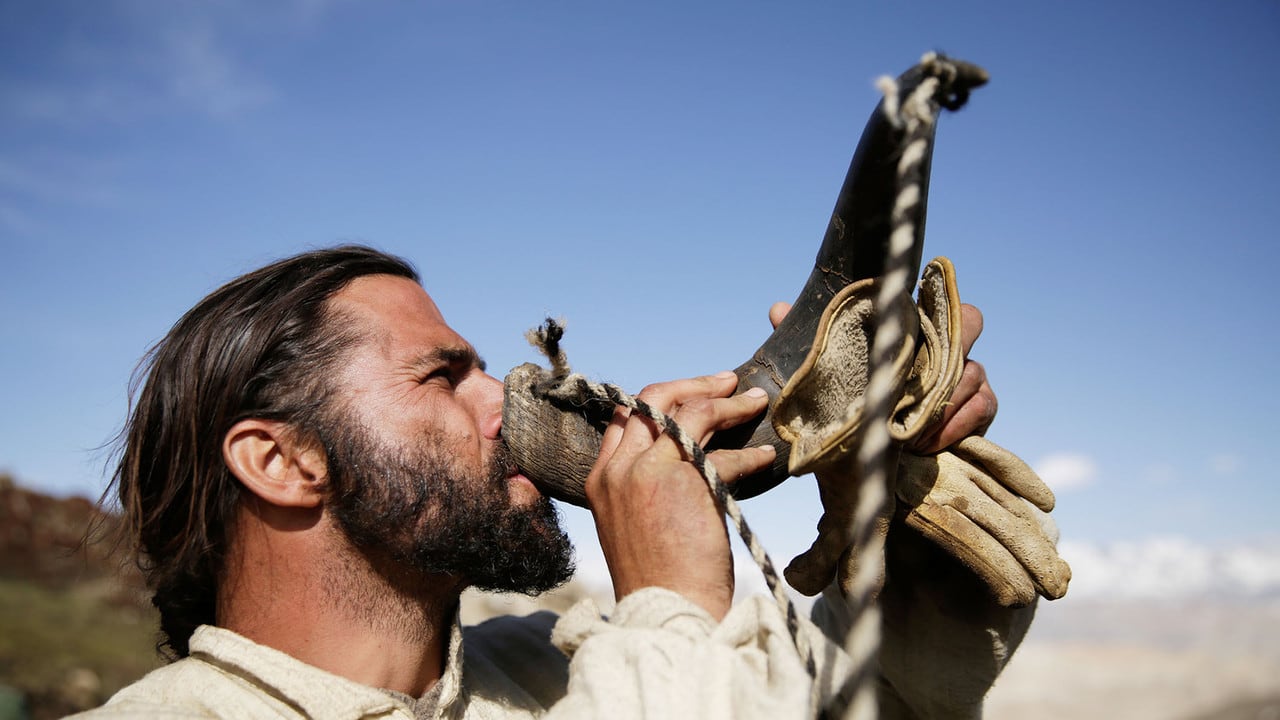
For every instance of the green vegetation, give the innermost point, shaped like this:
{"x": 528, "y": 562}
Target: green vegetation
{"x": 71, "y": 649}
{"x": 75, "y": 625}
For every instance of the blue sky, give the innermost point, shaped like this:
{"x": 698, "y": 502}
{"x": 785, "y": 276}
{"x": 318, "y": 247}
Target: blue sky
{"x": 658, "y": 173}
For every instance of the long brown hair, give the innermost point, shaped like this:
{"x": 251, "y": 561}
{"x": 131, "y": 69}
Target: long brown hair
{"x": 260, "y": 346}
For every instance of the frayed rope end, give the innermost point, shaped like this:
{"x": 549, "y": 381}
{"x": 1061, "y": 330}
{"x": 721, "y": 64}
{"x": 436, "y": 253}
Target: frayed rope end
{"x": 546, "y": 338}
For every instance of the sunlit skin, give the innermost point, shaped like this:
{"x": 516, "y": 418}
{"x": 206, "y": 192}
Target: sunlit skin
{"x": 294, "y": 583}
{"x": 416, "y": 380}
{"x": 412, "y": 379}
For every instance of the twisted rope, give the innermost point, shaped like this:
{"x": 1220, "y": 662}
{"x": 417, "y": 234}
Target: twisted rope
{"x": 563, "y": 385}
{"x": 914, "y": 116}
{"x": 946, "y": 85}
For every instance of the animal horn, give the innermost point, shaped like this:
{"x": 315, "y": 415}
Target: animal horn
{"x": 556, "y": 449}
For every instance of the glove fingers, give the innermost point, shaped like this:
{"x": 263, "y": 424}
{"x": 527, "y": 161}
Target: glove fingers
{"x": 997, "y": 524}
{"x": 919, "y": 482}
{"x": 850, "y": 560}
{"x": 812, "y": 570}
{"x": 1050, "y": 572}
{"x": 1029, "y": 534}
{"x": 956, "y": 467}
{"x": 1021, "y": 537}
{"x": 1008, "y": 468}
{"x": 977, "y": 550}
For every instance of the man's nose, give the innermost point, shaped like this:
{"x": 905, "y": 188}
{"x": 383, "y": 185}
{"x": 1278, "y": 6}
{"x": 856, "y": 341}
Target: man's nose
{"x": 489, "y": 412}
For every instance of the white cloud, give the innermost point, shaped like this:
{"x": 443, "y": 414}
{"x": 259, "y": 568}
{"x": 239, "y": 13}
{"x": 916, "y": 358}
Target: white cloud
{"x": 183, "y": 59}
{"x": 206, "y": 76}
{"x": 593, "y": 571}
{"x": 1255, "y": 569}
{"x": 1165, "y": 568}
{"x": 1067, "y": 471}
{"x": 79, "y": 102}
{"x": 59, "y": 179}
{"x": 1171, "y": 567}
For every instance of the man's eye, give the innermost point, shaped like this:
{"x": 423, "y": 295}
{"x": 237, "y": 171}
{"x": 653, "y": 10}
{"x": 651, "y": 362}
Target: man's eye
{"x": 443, "y": 373}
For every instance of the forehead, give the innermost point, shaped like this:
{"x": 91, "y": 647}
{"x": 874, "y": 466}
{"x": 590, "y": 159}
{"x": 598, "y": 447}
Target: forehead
{"x": 395, "y": 313}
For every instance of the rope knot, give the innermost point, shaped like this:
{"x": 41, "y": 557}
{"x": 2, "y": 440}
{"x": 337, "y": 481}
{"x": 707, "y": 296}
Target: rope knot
{"x": 947, "y": 82}
{"x": 560, "y": 382}
{"x": 955, "y": 79}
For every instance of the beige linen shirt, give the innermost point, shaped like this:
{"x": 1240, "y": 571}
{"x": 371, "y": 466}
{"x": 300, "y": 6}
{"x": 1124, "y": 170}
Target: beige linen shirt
{"x": 658, "y": 656}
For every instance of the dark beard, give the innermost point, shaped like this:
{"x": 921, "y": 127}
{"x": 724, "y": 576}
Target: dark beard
{"x": 428, "y": 514}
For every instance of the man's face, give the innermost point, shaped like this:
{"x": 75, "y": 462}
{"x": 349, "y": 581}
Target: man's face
{"x": 416, "y": 462}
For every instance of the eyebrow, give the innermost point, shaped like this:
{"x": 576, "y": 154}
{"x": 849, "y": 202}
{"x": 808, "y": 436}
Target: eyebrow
{"x": 452, "y": 355}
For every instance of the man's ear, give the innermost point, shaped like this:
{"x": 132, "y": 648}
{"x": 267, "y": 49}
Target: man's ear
{"x": 273, "y": 463}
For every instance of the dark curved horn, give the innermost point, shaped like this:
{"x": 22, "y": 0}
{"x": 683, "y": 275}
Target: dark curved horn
{"x": 557, "y": 449}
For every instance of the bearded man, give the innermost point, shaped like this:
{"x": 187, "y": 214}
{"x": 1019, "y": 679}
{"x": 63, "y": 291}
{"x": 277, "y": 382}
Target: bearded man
{"x": 313, "y": 471}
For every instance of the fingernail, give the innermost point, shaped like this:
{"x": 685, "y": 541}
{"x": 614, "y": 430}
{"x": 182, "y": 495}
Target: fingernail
{"x": 725, "y": 374}
{"x": 769, "y": 449}
{"x": 756, "y": 392}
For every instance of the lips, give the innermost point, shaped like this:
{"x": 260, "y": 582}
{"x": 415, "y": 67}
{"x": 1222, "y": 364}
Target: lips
{"x": 502, "y": 464}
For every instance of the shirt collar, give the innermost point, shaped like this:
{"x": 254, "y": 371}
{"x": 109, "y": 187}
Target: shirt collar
{"x": 315, "y": 692}
{"x": 452, "y": 695}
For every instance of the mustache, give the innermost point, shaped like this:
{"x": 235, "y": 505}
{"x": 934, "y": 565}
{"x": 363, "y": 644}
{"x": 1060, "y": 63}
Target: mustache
{"x": 502, "y": 464}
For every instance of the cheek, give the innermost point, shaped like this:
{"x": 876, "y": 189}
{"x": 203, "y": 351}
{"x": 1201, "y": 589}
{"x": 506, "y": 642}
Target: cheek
{"x": 453, "y": 429}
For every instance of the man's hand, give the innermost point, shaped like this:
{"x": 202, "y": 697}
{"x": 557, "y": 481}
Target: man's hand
{"x": 657, "y": 521}
{"x": 973, "y": 403}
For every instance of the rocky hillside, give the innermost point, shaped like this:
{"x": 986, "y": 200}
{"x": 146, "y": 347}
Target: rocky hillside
{"x": 74, "y": 621}
{"x": 43, "y": 540}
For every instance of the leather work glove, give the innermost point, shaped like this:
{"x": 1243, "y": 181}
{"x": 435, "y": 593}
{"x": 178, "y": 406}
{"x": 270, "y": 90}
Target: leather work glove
{"x": 989, "y": 510}
{"x": 819, "y": 411}
{"x": 967, "y": 500}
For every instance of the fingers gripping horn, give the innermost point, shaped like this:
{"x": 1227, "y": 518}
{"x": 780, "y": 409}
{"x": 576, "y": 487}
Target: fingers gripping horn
{"x": 556, "y": 446}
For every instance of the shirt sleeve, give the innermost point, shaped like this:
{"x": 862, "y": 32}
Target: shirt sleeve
{"x": 940, "y": 652}
{"x": 661, "y": 656}
{"x": 833, "y": 617}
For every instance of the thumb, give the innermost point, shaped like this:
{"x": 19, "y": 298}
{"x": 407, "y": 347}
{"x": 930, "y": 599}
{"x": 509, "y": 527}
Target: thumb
{"x": 777, "y": 312}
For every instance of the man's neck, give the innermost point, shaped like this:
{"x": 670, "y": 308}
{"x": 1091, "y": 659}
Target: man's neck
{"x": 337, "y": 610}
